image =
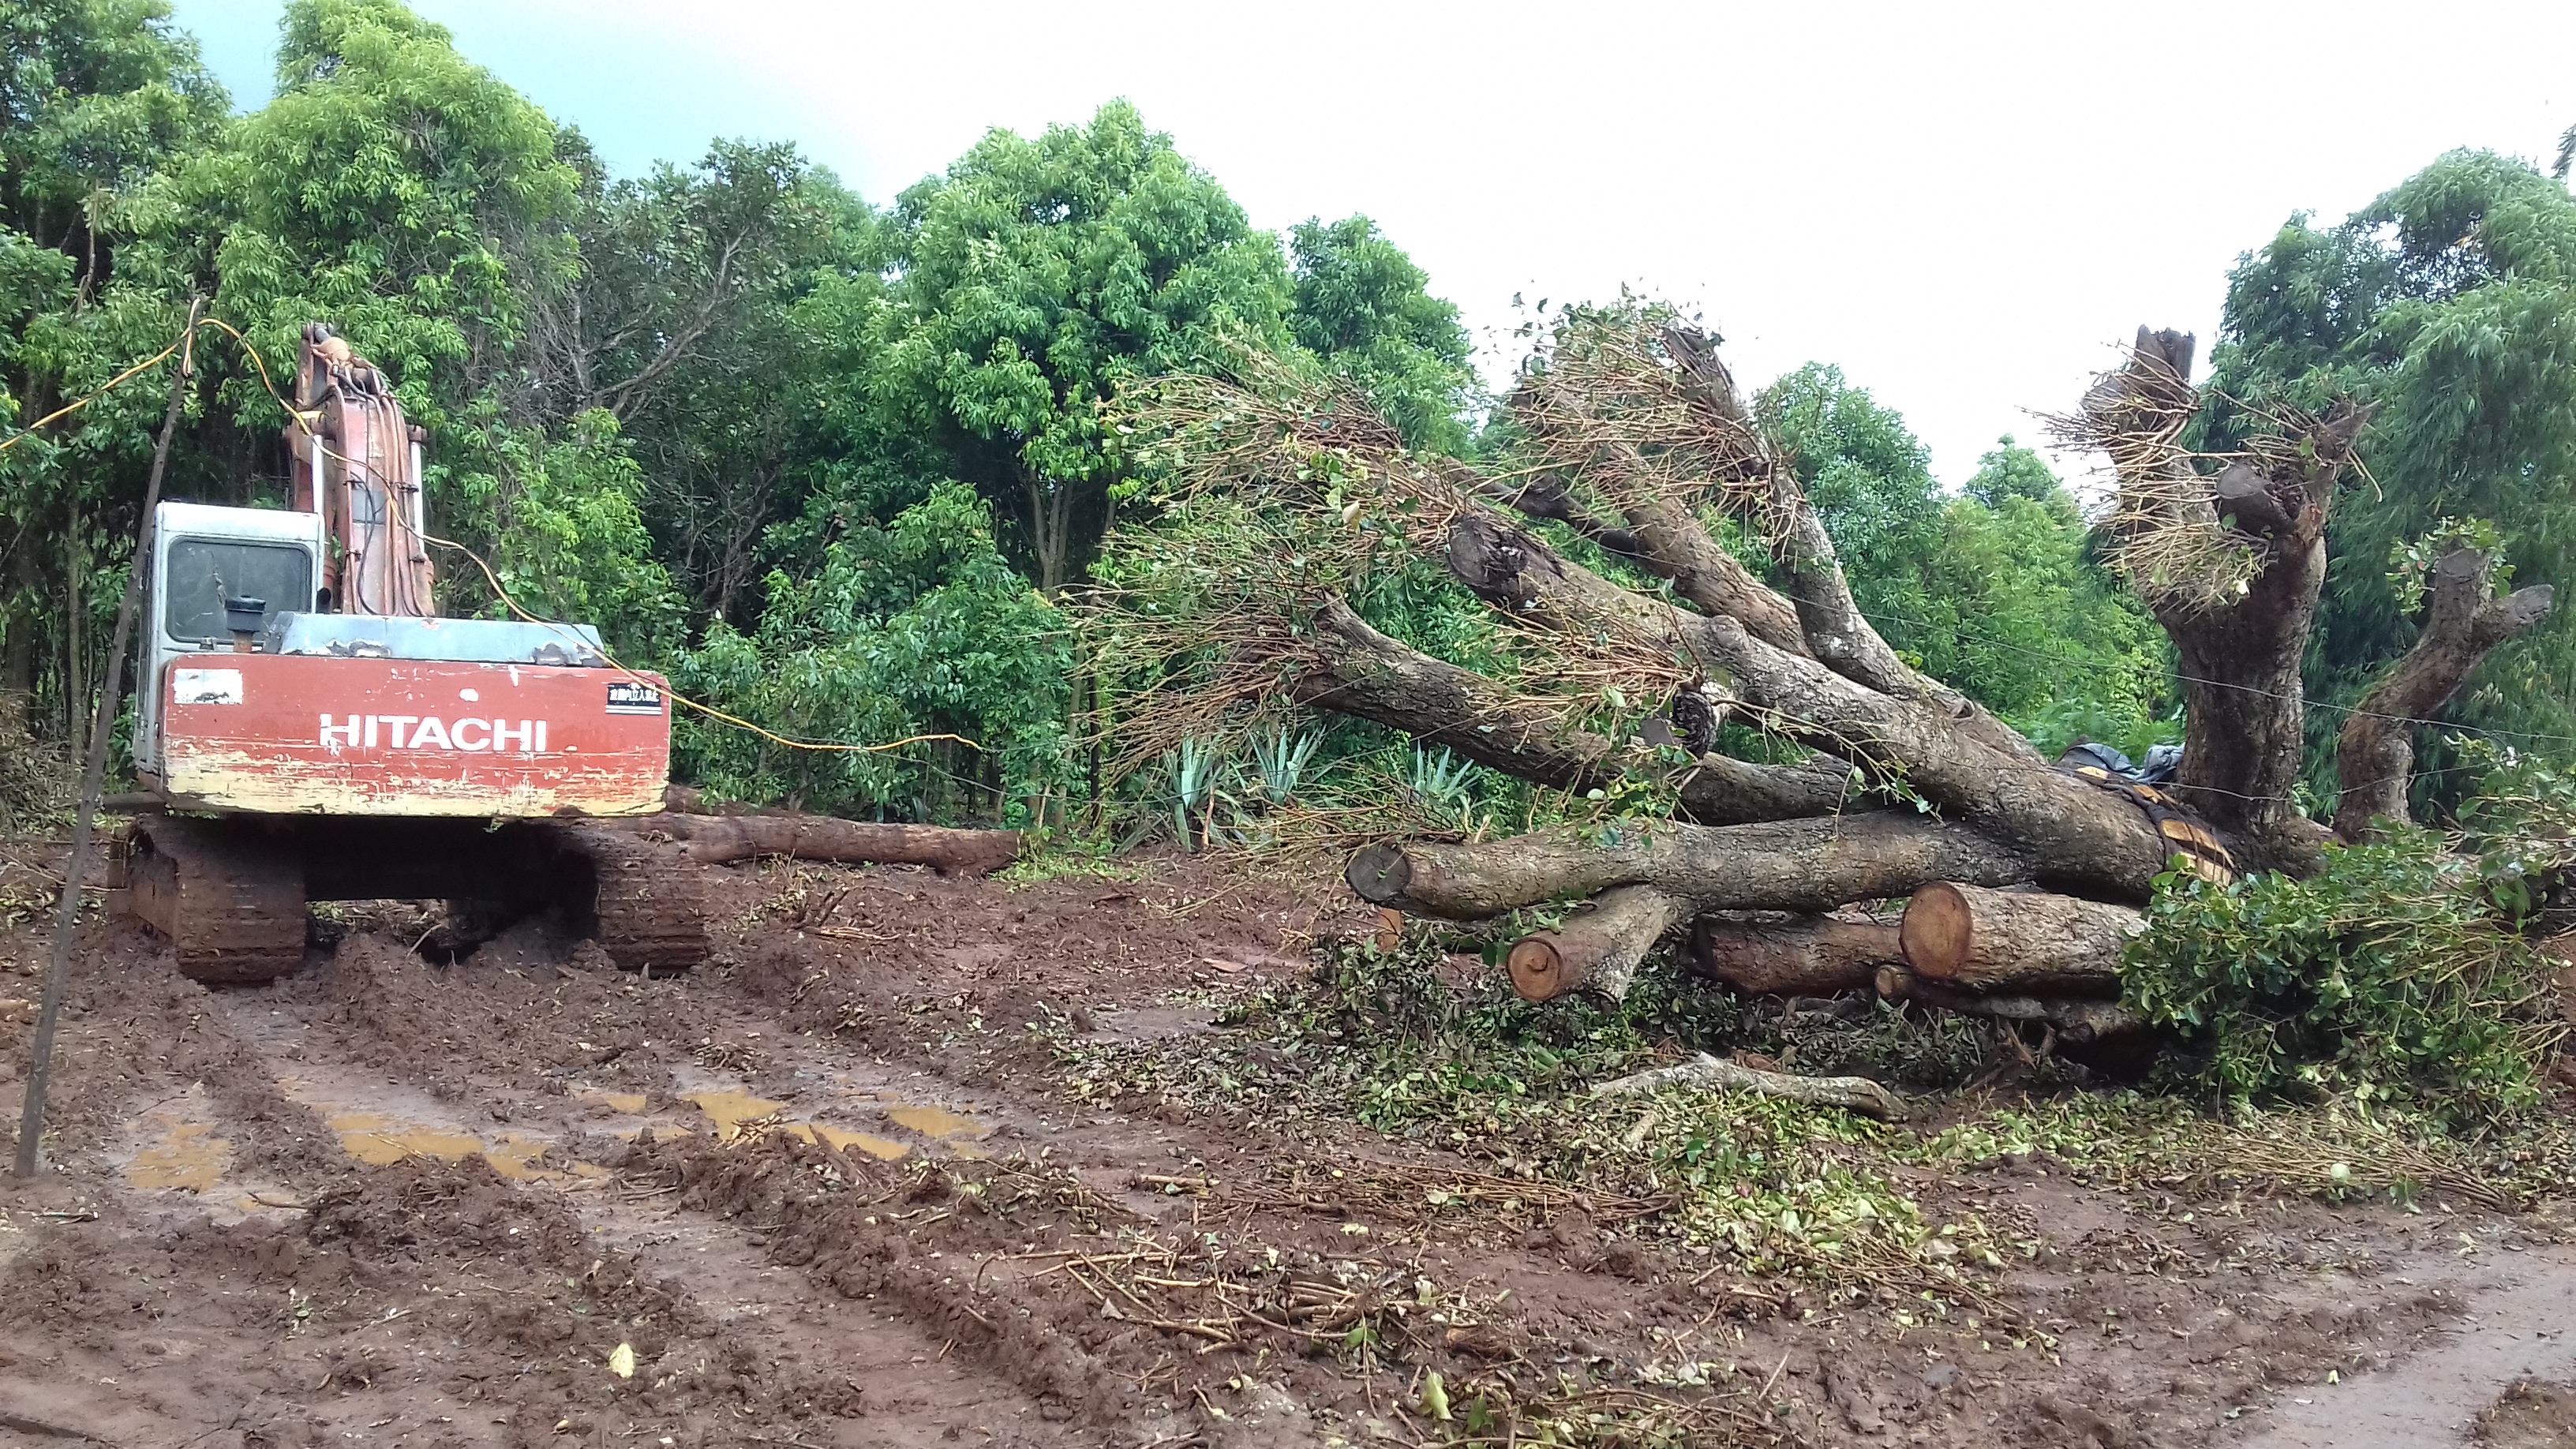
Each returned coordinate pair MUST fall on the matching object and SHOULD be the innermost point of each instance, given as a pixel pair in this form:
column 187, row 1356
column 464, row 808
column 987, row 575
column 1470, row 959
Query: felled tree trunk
column 1598, row 947
column 1780, row 865
column 1990, row 940
column 1802, row 956
column 721, row 839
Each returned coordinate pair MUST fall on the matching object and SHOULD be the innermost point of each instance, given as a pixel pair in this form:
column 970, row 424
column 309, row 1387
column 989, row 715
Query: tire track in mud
column 906, row 1385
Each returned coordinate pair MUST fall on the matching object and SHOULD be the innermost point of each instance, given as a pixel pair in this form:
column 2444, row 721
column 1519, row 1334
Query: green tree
column 1035, row 276
column 97, row 98
column 574, row 544
column 2450, row 303
column 2032, row 626
column 1363, row 305
column 915, row 628
column 1871, row 482
column 687, row 321
column 408, row 197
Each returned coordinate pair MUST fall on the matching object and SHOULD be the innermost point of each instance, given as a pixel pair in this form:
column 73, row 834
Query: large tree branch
column 1363, row 673
column 2464, row 622
column 2086, row 835
column 1784, row 865
column 1829, row 618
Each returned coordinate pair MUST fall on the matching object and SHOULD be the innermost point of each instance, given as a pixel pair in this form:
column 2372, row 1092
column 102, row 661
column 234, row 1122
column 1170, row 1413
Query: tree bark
column 1967, row 936
column 2079, row 1021
column 721, row 839
column 1790, row 865
column 2375, row 755
column 1807, row 956
column 1363, row 673
column 1596, row 949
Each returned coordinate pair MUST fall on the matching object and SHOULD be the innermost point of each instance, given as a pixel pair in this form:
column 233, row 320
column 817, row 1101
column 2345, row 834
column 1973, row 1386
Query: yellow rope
column 104, row 389
column 306, row 427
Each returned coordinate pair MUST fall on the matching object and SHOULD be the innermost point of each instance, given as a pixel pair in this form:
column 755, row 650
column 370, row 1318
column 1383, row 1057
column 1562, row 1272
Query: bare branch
column 2463, row 624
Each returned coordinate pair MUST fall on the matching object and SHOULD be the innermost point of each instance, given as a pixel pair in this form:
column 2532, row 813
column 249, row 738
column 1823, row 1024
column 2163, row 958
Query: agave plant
column 1192, row 773
column 1441, row 786
column 1279, row 763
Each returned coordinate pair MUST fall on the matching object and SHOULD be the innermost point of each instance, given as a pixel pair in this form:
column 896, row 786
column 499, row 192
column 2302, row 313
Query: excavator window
column 205, row 572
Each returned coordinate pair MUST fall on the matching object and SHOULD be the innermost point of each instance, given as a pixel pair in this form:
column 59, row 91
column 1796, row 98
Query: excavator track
column 229, row 899
column 230, row 892
column 645, row 898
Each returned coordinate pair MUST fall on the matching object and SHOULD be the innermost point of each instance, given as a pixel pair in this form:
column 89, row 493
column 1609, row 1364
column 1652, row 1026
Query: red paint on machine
column 323, row 735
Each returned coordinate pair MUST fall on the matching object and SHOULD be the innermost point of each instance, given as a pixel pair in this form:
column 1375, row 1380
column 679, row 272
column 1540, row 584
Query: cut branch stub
column 1967, row 936
column 1596, row 949
column 1807, row 956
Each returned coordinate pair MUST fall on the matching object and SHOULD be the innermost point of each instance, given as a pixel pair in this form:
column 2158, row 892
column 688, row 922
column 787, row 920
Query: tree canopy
column 2449, row 304
column 725, row 408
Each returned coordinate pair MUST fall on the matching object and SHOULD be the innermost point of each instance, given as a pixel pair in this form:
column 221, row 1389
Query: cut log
column 1597, row 948
column 1802, row 956
column 1967, row 936
column 719, row 839
column 1855, row 1094
column 2079, row 1021
column 1785, row 865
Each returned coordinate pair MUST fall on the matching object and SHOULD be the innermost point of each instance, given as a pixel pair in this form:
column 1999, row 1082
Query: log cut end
column 1379, row 873
column 1938, row 930
column 1538, row 969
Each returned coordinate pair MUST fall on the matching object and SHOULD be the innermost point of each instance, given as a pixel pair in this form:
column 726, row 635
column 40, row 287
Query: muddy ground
column 831, row 1190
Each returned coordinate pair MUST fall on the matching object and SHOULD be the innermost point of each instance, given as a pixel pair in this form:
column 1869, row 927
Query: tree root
column 1854, row 1094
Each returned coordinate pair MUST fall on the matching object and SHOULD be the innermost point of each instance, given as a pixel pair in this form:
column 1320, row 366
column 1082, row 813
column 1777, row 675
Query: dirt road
column 833, row 1190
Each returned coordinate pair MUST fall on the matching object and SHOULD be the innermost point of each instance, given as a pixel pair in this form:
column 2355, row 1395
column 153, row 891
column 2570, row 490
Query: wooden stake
column 31, row 1117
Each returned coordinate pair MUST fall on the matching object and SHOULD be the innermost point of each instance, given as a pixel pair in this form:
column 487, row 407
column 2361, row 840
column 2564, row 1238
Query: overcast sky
column 1964, row 207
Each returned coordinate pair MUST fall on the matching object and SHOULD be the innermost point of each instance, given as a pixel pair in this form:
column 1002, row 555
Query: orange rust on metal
column 312, row 734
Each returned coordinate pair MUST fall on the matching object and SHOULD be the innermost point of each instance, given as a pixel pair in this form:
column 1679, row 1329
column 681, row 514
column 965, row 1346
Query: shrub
column 2387, row 974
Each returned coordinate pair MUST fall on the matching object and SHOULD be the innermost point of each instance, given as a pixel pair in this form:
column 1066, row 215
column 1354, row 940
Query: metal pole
column 111, row 689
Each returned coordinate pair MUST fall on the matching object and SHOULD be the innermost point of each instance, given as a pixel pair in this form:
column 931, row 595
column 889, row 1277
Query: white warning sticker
column 206, row 686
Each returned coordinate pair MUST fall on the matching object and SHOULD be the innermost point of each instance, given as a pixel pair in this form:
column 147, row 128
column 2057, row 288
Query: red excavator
column 308, row 728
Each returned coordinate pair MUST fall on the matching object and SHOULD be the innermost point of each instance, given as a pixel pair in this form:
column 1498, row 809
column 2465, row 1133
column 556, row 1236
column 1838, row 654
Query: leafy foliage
column 573, row 544
column 916, row 628
column 2387, row 974
column 1361, row 303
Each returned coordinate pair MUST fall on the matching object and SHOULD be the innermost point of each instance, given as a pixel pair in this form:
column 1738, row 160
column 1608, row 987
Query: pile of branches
column 1632, row 636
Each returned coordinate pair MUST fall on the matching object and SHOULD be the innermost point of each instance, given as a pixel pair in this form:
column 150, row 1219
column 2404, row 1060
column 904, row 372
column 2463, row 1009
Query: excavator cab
column 205, row 562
